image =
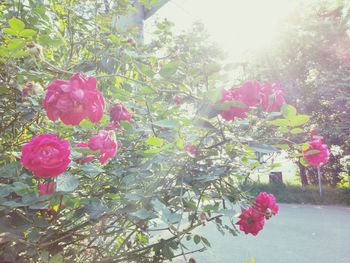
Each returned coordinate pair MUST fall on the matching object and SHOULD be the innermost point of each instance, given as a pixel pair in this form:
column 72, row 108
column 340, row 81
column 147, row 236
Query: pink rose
column 232, row 112
column 74, row 100
column 266, row 204
column 317, row 158
column 249, row 93
column 272, row 96
column 251, row 221
column 178, row 100
column 46, row 155
column 47, row 188
column 104, row 142
column 118, row 112
column 192, row 150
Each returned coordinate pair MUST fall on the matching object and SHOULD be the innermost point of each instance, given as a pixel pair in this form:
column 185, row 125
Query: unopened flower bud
column 35, row 49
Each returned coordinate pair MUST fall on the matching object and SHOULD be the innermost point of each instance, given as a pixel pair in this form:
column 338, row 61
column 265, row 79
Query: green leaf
column 228, row 104
column 299, row 120
column 280, row 122
column 169, row 69
column 312, row 152
column 142, row 214
column 15, row 44
column 66, row 183
column 283, row 146
column 205, row 241
column 304, row 146
column 288, row 111
column 167, row 124
column 283, row 129
column 303, row 162
column 297, row 130
column 16, row 24
column 91, row 170
column 196, row 239
column 155, row 141
column 27, row 33
column 58, row 258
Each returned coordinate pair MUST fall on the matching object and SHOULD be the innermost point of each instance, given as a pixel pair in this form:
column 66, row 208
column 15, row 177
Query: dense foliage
column 157, row 146
column 310, row 57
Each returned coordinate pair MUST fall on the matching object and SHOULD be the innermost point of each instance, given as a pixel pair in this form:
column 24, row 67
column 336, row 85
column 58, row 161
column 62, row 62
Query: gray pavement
column 298, row 234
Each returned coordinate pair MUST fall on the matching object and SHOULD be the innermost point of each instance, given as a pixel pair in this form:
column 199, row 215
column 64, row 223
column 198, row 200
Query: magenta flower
column 192, row 150
column 46, row 155
column 74, row 100
column 316, row 158
column 47, row 188
column 249, row 93
column 266, row 204
column 104, row 142
column 118, row 112
column 232, row 112
column 272, row 96
column 178, row 100
column 251, row 221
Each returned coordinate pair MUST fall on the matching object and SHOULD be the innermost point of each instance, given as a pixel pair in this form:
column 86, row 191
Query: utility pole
column 135, row 20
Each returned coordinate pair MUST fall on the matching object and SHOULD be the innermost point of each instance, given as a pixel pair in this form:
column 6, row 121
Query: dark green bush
column 302, row 195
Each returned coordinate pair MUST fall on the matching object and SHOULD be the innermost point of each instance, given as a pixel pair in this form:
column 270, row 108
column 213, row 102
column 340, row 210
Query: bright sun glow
column 238, row 26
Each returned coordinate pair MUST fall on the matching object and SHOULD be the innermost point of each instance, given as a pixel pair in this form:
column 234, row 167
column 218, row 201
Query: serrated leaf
column 169, row 69
column 303, row 162
column 283, row 146
column 299, row 120
column 296, row 130
column 205, row 241
column 196, row 239
column 15, row 44
column 155, row 141
column 27, row 33
column 91, row 170
column 142, row 214
column 167, row 124
column 280, row 122
column 16, row 24
column 283, row 129
column 66, row 183
column 288, row 111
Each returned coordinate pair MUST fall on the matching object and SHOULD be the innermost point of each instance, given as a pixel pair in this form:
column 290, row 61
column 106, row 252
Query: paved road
column 299, row 234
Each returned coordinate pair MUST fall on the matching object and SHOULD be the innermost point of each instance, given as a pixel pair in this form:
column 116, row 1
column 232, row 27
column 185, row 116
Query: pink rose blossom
column 74, row 100
column 272, row 96
column 232, row 112
column 178, row 100
column 192, row 150
column 104, row 142
column 319, row 158
column 47, row 188
column 251, row 221
column 249, row 93
column 118, row 112
column 266, row 204
column 46, row 155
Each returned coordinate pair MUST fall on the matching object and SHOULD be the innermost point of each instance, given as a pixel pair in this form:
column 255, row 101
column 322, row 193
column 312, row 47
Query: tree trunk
column 303, row 176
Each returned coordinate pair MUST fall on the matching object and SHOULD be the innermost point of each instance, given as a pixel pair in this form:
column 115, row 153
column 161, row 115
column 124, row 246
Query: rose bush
column 141, row 204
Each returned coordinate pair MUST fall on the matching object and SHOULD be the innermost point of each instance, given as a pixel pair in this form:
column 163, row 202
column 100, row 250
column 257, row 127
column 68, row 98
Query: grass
column 302, row 195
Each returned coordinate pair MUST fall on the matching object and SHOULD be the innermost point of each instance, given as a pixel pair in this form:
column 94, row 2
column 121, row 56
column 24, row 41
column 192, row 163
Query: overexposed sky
column 238, row 26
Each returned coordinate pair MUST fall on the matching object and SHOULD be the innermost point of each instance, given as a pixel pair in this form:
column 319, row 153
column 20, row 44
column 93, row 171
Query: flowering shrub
column 157, row 185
